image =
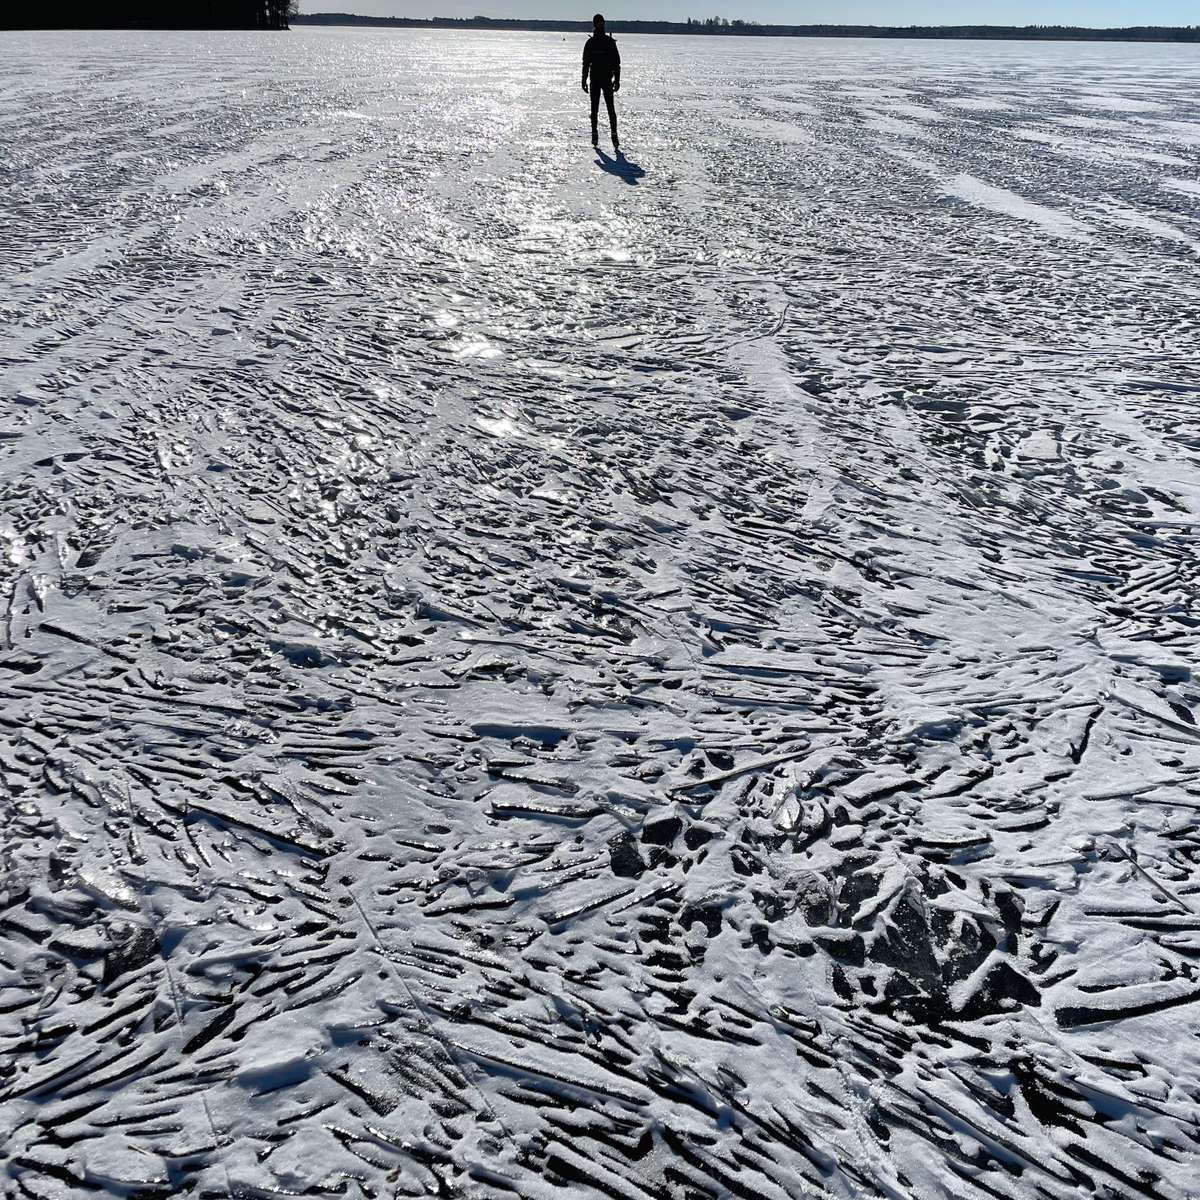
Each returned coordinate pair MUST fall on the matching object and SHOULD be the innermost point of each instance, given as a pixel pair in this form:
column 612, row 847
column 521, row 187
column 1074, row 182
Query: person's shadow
column 620, row 166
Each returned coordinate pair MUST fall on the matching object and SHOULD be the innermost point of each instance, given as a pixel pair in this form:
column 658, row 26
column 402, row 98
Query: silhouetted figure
column 603, row 60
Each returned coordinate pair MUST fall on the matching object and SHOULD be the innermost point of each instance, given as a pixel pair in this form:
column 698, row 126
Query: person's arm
column 617, row 68
column 587, row 61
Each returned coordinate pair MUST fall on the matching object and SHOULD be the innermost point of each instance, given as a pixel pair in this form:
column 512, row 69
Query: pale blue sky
column 853, row 12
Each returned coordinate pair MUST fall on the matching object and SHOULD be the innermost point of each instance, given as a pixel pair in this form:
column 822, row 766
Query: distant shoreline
column 1026, row 33
column 148, row 14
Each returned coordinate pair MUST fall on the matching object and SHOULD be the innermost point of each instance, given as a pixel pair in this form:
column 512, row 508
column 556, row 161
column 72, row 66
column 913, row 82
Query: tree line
column 148, row 14
column 722, row 23
column 721, row 26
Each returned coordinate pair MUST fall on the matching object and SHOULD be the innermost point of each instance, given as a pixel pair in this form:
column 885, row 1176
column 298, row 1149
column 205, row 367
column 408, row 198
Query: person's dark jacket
column 602, row 58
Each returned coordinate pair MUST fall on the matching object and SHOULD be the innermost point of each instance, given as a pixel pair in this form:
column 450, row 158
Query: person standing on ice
column 602, row 60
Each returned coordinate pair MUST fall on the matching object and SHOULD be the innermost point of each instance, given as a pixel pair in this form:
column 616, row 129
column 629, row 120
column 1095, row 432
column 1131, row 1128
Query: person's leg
column 612, row 110
column 595, row 106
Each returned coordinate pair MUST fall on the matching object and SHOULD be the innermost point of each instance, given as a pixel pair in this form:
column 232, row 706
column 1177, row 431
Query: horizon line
column 739, row 24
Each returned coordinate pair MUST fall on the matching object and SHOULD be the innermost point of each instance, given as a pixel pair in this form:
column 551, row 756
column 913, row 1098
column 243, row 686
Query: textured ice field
column 524, row 674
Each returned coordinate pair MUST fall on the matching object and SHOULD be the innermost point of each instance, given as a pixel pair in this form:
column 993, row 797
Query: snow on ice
column 528, row 673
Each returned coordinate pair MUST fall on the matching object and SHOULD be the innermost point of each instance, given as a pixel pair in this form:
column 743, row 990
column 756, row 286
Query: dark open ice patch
column 544, row 735
column 624, row 857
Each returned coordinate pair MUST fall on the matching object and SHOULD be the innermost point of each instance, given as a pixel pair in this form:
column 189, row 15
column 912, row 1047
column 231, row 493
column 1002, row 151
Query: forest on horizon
column 723, row 26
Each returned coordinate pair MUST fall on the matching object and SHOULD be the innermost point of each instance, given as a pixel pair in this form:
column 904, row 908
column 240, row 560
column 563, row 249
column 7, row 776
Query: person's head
column 598, row 23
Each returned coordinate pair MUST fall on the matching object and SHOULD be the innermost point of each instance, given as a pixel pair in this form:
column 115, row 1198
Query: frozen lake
column 654, row 677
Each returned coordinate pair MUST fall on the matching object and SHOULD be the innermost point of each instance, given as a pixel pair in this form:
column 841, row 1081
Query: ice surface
column 524, row 674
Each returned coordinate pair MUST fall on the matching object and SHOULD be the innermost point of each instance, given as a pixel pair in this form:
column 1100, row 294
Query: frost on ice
column 520, row 678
